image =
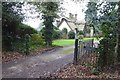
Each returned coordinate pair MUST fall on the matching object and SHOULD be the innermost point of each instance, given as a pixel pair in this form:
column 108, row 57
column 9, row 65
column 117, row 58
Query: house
column 71, row 23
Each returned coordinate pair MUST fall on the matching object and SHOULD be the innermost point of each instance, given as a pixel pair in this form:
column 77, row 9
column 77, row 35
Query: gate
column 85, row 47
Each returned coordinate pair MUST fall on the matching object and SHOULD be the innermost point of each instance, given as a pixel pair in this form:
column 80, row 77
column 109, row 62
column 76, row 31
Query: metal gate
column 85, row 47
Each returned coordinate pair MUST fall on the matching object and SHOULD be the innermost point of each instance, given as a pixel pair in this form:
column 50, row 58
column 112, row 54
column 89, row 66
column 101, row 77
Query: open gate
column 85, row 47
column 82, row 47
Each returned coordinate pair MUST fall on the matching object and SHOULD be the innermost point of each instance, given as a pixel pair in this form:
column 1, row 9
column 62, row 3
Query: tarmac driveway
column 39, row 65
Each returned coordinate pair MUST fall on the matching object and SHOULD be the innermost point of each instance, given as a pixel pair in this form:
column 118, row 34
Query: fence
column 85, row 47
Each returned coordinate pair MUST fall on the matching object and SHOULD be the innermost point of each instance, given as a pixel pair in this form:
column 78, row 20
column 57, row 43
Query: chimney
column 75, row 17
column 58, row 21
column 70, row 16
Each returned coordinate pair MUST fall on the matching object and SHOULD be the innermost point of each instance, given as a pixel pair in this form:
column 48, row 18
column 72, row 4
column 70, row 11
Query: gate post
column 76, row 47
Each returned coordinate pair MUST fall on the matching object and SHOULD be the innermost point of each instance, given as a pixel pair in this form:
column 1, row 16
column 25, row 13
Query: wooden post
column 76, row 47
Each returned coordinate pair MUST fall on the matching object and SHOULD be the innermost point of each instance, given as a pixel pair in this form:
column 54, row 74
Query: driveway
column 39, row 65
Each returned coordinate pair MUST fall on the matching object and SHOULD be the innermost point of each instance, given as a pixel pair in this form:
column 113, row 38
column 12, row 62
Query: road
column 39, row 65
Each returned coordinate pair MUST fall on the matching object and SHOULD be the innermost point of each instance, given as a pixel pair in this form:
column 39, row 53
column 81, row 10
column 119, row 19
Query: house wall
column 81, row 27
column 64, row 25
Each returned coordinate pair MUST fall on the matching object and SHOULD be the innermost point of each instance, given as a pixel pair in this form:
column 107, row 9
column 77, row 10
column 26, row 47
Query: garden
column 20, row 40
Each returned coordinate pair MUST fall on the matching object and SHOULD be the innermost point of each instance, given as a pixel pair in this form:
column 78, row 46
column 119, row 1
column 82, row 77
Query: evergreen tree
column 91, row 17
column 108, row 20
column 10, row 21
column 12, row 26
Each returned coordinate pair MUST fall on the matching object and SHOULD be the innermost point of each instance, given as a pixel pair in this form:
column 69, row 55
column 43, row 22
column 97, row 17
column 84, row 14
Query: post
column 76, row 46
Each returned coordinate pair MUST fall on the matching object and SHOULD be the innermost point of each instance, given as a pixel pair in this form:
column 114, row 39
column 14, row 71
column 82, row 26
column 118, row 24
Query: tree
column 118, row 35
column 91, row 16
column 71, row 34
column 49, row 13
column 108, row 23
column 57, row 34
column 10, row 21
column 108, row 19
column 12, row 26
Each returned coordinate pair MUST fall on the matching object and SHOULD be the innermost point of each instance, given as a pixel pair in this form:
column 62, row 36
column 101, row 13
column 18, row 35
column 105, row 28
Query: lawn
column 67, row 42
column 64, row 42
column 86, row 39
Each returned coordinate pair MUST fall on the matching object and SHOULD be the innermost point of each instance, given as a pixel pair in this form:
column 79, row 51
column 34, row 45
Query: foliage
column 108, row 25
column 28, row 43
column 71, row 34
column 64, row 30
column 64, row 33
column 106, row 52
column 57, row 34
column 49, row 13
column 81, row 33
column 118, row 34
column 10, row 22
column 91, row 17
column 25, row 29
column 107, row 21
column 36, row 40
column 13, row 30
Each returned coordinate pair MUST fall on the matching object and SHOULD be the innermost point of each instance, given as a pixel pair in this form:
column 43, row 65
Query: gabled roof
column 72, row 25
column 63, row 19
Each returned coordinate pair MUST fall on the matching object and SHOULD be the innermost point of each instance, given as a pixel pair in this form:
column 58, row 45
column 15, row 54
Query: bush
column 71, row 34
column 19, row 45
column 106, row 52
column 81, row 33
column 28, row 43
column 80, row 37
column 57, row 34
column 36, row 40
column 13, row 35
column 64, row 33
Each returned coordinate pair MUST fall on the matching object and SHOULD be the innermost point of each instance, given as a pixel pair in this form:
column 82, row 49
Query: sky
column 70, row 7
column 75, row 8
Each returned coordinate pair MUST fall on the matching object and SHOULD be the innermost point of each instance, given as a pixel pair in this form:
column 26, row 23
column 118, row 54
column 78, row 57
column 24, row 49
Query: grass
column 86, row 39
column 67, row 42
column 64, row 42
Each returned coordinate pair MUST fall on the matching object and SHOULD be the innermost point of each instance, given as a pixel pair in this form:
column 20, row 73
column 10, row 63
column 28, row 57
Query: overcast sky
column 70, row 7
column 75, row 8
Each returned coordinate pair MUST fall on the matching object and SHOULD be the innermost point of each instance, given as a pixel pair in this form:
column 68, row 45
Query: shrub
column 28, row 43
column 106, row 52
column 71, row 34
column 64, row 33
column 64, row 30
column 36, row 40
column 57, row 34
column 19, row 45
column 13, row 35
column 81, row 33
column 80, row 37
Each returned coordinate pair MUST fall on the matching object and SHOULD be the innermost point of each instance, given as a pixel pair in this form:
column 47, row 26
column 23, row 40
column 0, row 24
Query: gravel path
column 39, row 65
